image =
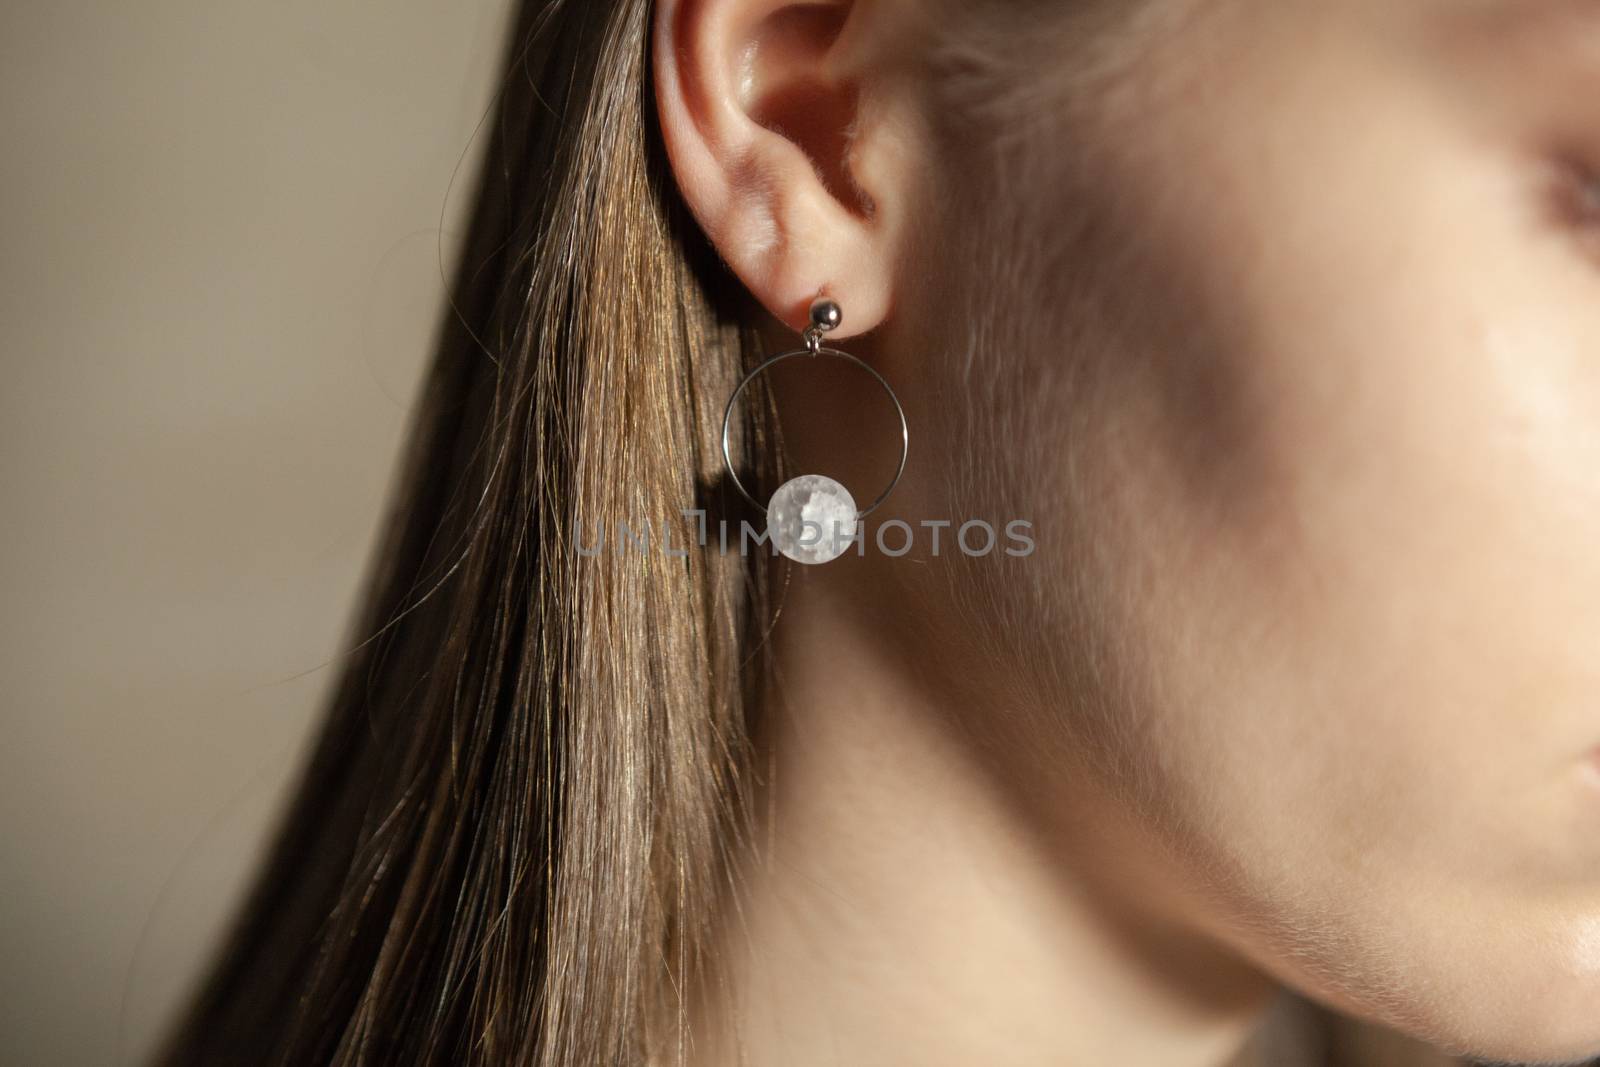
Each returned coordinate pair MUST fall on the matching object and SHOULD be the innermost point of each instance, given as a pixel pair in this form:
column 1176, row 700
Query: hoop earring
column 812, row 518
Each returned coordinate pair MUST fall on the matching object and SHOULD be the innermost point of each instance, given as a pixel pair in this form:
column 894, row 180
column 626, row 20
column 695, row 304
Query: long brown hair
column 518, row 819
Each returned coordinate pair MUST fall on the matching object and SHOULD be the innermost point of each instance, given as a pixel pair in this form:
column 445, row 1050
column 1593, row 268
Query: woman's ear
column 779, row 120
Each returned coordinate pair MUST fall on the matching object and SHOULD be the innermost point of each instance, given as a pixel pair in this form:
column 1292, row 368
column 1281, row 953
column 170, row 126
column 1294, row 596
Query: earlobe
column 769, row 123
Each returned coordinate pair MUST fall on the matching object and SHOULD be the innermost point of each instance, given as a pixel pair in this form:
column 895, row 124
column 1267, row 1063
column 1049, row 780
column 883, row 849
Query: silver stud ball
column 825, row 314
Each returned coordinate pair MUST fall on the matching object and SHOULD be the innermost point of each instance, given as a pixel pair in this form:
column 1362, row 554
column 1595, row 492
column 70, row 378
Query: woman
column 1263, row 332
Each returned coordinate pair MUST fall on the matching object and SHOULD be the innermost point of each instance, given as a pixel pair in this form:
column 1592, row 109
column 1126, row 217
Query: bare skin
column 1289, row 353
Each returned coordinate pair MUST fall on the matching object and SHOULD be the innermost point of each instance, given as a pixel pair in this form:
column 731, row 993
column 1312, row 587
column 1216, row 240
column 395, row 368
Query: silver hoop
column 813, row 339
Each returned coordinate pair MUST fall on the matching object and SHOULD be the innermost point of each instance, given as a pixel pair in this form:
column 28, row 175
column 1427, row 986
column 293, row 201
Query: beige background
column 220, row 247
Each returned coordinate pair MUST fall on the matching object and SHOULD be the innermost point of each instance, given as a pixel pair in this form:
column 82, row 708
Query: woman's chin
column 1537, row 1001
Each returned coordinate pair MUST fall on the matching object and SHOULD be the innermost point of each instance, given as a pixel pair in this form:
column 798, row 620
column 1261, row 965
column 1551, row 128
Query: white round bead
column 812, row 519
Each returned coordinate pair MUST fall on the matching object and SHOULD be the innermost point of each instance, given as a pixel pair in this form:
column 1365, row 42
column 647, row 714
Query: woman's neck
column 905, row 910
